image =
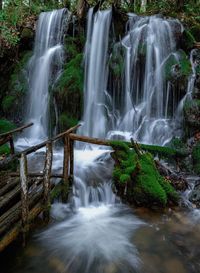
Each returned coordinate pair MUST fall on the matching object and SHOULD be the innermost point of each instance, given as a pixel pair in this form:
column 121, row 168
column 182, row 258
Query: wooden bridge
column 25, row 195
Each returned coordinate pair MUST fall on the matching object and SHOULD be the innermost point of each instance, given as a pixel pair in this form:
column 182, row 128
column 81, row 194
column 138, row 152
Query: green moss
column 196, row 157
column 72, row 76
column 124, row 178
column 4, row 150
column 66, row 121
column 8, row 103
column 6, row 126
column 181, row 66
column 147, row 186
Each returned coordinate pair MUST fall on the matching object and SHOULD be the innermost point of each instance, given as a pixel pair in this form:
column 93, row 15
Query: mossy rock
column 137, row 178
column 175, row 69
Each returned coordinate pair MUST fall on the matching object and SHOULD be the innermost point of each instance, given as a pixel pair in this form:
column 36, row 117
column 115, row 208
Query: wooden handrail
column 20, row 129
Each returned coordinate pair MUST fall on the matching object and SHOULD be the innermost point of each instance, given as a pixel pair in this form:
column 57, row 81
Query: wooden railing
column 8, row 136
column 18, row 204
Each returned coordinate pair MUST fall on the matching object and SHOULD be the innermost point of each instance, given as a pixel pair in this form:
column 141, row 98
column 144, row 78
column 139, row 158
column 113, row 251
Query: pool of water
column 111, row 240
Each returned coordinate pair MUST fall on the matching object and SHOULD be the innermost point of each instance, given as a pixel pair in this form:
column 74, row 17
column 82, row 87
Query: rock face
column 194, row 196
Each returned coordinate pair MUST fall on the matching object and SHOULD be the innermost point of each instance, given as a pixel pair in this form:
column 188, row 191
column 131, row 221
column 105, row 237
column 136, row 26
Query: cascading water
column 96, row 73
column 96, row 230
column 44, row 68
column 148, row 43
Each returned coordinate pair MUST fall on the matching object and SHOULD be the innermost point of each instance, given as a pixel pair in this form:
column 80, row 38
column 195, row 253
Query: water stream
column 95, row 232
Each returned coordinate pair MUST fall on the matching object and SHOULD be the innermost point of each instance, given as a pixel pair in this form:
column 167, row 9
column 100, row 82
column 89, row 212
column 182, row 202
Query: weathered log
column 12, row 147
column 12, row 195
column 65, row 168
column 8, row 186
column 19, row 129
column 15, row 231
column 13, row 214
column 30, row 150
column 37, row 175
column 71, row 152
column 4, row 139
column 24, row 195
column 96, row 141
column 46, row 181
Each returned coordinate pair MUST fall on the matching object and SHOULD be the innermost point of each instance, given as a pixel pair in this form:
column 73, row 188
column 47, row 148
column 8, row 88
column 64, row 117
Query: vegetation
column 196, row 157
column 137, row 178
column 6, row 126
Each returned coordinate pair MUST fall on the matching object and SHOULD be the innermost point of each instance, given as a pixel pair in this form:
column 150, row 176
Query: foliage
column 4, row 149
column 196, row 157
column 6, row 126
column 138, row 171
column 176, row 68
column 66, row 121
column 72, row 76
column 17, row 87
column 15, row 15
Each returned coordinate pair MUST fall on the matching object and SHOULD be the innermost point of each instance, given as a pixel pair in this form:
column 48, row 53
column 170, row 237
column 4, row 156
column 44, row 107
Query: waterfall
column 95, row 231
column 96, row 73
column 44, row 68
column 148, row 42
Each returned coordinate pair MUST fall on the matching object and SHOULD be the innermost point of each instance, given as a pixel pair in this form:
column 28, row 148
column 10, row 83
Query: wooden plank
column 15, row 231
column 19, row 129
column 24, row 195
column 71, row 152
column 46, row 181
column 34, row 175
column 65, row 169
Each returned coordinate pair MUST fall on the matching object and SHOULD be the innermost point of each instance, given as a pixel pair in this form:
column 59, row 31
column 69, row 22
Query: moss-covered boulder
column 177, row 66
column 137, row 179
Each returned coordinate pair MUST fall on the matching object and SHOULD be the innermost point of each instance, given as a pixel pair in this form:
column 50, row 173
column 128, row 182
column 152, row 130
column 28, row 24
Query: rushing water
column 44, row 68
column 95, row 232
column 96, row 73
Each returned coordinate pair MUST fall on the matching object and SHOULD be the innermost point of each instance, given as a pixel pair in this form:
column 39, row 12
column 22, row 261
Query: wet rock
column 174, row 266
column 194, row 196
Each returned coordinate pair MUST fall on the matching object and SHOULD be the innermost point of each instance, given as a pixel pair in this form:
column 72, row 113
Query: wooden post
column 46, row 181
column 24, row 195
column 71, row 150
column 65, row 169
column 12, row 148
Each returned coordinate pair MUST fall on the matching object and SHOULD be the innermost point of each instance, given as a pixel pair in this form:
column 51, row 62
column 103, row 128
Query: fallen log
column 30, row 150
column 19, row 129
